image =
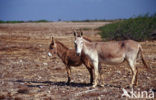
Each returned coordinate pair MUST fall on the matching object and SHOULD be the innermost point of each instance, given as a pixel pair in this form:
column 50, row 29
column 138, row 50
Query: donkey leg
column 100, row 73
column 136, row 78
column 96, row 73
column 90, row 69
column 91, row 75
column 68, row 73
column 134, row 72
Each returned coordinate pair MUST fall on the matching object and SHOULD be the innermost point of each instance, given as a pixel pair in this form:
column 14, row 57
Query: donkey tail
column 142, row 57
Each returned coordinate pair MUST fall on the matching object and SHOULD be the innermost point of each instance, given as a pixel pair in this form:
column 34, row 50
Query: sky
column 67, row 10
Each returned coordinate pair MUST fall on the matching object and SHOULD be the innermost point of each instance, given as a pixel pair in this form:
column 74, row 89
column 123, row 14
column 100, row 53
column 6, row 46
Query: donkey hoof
column 94, row 85
column 90, row 84
column 102, row 85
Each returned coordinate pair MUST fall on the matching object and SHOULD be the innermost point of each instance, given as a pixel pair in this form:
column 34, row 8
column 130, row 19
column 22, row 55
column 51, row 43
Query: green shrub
column 2, row 21
column 38, row 21
column 139, row 28
column 14, row 22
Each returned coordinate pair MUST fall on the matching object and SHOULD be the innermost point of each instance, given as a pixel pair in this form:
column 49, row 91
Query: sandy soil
column 26, row 71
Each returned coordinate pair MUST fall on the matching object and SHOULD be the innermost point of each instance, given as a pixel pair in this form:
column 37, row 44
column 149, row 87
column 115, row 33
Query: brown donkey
column 70, row 58
column 112, row 52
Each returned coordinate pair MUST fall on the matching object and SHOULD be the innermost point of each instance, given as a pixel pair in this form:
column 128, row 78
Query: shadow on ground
column 72, row 84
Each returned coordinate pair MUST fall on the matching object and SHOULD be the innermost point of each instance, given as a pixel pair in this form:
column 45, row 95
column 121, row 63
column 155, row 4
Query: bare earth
column 26, row 71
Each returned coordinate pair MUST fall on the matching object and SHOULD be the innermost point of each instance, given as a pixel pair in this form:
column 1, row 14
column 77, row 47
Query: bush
column 139, row 29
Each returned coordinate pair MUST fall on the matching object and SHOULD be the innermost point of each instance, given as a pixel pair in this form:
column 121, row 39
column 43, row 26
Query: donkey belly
column 74, row 62
column 116, row 60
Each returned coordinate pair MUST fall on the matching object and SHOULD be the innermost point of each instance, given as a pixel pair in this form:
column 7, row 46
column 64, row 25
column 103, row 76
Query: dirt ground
column 28, row 73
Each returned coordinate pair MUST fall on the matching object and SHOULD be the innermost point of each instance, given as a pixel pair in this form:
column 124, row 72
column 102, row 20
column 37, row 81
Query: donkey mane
column 87, row 39
column 61, row 44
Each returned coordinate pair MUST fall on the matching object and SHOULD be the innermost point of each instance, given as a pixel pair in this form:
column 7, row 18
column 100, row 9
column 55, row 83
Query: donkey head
column 52, row 47
column 78, row 42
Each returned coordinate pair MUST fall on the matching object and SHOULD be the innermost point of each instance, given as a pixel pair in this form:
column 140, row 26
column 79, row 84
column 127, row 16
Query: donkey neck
column 89, row 48
column 61, row 50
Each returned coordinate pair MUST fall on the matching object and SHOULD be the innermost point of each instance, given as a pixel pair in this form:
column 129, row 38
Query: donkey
column 112, row 52
column 69, row 58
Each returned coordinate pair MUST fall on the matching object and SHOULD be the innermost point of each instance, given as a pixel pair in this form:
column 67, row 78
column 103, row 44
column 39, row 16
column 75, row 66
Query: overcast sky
column 53, row 10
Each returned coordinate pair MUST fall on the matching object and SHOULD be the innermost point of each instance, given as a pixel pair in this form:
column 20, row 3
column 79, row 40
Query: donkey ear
column 52, row 39
column 75, row 34
column 81, row 33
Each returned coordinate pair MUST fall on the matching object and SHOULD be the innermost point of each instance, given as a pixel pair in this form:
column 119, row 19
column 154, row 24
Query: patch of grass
column 37, row 21
column 95, row 20
column 11, row 21
column 2, row 21
column 139, row 29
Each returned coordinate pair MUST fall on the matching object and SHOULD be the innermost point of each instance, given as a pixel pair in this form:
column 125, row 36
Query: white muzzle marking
column 49, row 54
column 78, row 51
